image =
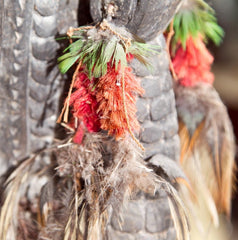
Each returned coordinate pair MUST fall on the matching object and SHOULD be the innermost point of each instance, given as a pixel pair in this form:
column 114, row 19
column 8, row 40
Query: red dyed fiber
column 109, row 96
column 193, row 64
column 83, row 102
column 98, row 103
column 79, row 133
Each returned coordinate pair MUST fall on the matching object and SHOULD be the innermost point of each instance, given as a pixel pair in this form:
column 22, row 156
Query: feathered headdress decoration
column 104, row 87
column 206, row 135
column 196, row 18
column 192, row 27
column 102, row 164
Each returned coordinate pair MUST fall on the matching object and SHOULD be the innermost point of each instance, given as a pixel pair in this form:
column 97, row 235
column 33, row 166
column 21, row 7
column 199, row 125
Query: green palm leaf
column 67, row 63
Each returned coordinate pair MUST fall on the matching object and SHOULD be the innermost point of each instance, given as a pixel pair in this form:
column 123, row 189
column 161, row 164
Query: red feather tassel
column 193, row 64
column 84, row 106
column 104, row 104
column 109, row 95
column 83, row 102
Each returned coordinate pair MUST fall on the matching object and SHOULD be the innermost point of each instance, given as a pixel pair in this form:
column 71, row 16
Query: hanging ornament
column 102, row 99
column 194, row 19
column 100, row 165
column 108, row 88
column 193, row 25
column 207, row 141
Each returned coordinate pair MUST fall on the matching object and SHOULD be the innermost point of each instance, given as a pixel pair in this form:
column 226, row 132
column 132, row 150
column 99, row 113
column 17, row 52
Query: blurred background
column 226, row 74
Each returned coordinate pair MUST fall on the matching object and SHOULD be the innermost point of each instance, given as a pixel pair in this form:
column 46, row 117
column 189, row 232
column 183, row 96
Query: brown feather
column 111, row 171
column 207, row 152
column 214, row 135
column 89, row 179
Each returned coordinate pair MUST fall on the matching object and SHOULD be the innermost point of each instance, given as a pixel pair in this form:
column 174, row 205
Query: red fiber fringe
column 110, row 101
column 83, row 102
column 193, row 64
column 99, row 104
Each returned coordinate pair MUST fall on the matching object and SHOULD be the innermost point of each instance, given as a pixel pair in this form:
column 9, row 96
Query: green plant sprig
column 95, row 54
column 197, row 19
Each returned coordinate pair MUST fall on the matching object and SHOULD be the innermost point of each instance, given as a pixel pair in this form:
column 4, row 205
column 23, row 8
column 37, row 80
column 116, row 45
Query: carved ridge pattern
column 45, row 80
column 161, row 117
column 30, row 82
column 16, row 82
column 42, row 110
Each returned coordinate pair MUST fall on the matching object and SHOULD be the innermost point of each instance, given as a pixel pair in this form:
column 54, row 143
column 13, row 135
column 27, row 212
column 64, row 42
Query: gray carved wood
column 30, row 84
column 143, row 18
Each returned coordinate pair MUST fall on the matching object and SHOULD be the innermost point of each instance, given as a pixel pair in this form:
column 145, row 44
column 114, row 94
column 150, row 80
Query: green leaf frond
column 199, row 18
column 97, row 53
column 142, row 52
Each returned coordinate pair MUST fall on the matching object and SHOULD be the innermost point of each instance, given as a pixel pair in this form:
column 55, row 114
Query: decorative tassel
column 106, row 88
column 111, row 103
column 207, row 141
column 111, row 171
column 93, row 170
column 83, row 102
column 193, row 64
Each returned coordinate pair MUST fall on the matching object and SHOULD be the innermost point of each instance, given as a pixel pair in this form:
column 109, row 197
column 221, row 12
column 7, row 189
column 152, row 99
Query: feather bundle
column 110, row 172
column 195, row 18
column 17, row 213
column 207, row 142
column 99, row 103
column 89, row 178
column 108, row 178
column 106, row 89
column 83, row 102
column 206, row 134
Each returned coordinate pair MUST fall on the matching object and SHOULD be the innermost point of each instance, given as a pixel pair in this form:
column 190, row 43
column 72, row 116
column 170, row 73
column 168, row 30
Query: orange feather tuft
column 109, row 96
